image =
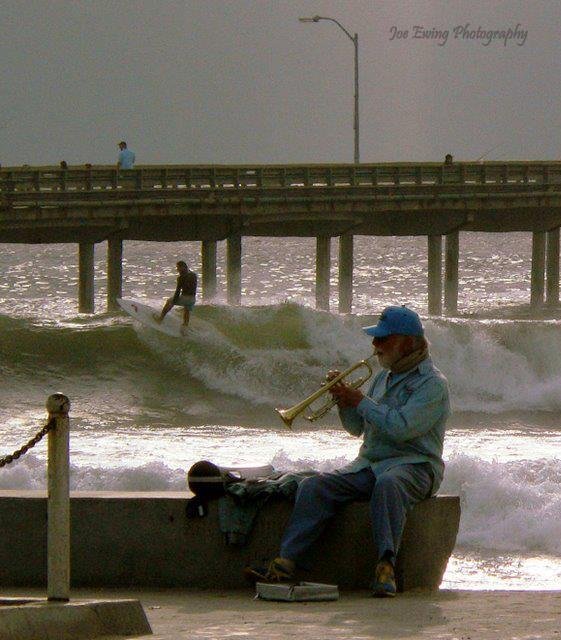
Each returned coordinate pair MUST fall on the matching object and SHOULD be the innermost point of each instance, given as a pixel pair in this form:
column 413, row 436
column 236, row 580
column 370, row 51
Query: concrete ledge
column 145, row 540
column 42, row 620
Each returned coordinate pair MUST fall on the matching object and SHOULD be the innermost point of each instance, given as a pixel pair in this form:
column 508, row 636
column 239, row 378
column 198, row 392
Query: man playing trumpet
column 401, row 420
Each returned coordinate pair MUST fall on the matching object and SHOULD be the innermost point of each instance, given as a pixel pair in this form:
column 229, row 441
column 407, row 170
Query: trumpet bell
column 288, row 415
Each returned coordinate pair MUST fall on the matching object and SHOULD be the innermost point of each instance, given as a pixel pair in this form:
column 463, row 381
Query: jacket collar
column 423, row 367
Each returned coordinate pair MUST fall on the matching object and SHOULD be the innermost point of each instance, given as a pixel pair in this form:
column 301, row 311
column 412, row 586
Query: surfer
column 184, row 295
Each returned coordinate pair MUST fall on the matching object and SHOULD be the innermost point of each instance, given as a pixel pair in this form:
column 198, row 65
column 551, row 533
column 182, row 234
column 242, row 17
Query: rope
column 28, row 445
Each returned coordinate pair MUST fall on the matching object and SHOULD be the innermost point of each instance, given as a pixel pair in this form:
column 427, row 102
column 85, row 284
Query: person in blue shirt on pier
column 401, row 420
column 126, row 157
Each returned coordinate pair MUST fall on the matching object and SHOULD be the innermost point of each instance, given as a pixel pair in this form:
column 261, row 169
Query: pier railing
column 95, row 178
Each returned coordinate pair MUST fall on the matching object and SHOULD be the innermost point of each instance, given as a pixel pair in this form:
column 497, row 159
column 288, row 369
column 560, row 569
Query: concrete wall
column 146, row 540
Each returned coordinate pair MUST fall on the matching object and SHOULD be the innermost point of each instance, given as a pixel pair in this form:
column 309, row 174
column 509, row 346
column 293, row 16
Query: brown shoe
column 279, row 570
column 384, row 581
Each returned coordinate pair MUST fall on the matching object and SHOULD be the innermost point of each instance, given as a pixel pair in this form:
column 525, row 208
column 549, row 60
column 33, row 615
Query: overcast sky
column 243, row 81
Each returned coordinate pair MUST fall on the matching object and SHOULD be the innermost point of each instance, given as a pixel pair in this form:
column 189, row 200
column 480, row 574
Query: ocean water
column 146, row 406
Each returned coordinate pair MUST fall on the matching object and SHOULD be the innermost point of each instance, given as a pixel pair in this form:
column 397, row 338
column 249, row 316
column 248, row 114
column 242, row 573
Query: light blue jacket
column 402, row 420
column 126, row 159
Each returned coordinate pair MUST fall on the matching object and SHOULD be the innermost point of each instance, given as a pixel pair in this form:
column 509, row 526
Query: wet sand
column 450, row 615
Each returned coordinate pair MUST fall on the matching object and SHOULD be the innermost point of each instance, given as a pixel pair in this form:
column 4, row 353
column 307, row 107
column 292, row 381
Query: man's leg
column 167, row 306
column 395, row 492
column 186, row 316
column 317, row 500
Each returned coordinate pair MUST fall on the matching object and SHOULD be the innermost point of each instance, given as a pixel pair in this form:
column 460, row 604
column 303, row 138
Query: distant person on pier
column 184, row 296
column 448, row 158
column 401, row 420
column 126, row 157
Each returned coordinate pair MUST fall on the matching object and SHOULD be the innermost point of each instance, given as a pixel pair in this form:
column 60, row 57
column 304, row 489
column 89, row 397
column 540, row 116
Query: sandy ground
column 450, row 615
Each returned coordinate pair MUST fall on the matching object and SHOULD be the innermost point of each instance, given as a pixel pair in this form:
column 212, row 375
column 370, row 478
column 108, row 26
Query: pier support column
column 208, row 260
column 234, row 268
column 346, row 273
column 323, row 271
column 114, row 272
column 451, row 259
column 435, row 275
column 86, row 277
column 538, row 269
column 552, row 281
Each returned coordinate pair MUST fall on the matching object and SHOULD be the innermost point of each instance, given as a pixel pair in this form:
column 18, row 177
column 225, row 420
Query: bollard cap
column 58, row 403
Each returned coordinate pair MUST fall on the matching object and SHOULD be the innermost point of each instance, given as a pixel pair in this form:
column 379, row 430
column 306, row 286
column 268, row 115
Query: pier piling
column 538, row 269
column 234, row 268
column 346, row 247
column 435, row 275
column 86, row 277
column 552, row 281
column 208, row 260
column 451, row 260
column 323, row 271
column 114, row 272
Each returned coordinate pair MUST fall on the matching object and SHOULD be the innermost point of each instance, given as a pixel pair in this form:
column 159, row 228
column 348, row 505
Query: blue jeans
column 391, row 495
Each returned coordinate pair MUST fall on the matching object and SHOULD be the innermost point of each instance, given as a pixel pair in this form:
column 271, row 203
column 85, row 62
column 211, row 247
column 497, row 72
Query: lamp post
column 354, row 40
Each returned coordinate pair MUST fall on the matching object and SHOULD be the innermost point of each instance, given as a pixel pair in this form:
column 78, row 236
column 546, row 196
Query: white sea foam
column 279, row 354
column 507, row 507
column 30, row 473
column 499, row 367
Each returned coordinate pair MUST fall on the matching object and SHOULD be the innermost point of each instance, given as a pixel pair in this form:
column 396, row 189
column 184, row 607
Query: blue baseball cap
column 396, row 320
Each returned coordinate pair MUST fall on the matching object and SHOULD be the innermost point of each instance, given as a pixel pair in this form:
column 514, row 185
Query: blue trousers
column 391, row 495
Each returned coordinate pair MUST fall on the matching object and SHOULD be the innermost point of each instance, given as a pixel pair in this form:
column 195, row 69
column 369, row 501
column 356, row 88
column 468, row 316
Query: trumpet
column 288, row 415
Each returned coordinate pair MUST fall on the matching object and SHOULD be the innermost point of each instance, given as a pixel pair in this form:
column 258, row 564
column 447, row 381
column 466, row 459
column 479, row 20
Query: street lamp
column 354, row 40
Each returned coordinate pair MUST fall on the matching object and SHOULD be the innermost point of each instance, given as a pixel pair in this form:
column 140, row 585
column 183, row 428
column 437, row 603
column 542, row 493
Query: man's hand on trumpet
column 344, row 394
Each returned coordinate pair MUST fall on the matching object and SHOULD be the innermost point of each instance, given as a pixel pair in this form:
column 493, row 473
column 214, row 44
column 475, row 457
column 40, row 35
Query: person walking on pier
column 184, row 296
column 126, row 157
column 401, row 420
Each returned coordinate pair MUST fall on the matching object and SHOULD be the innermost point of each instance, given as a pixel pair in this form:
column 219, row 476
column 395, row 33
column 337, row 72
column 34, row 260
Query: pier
column 87, row 205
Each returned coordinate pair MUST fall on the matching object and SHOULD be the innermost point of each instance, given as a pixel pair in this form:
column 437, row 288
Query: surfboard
column 171, row 324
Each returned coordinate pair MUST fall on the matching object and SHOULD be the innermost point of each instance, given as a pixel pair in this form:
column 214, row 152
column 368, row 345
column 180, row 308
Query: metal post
column 357, row 148
column 354, row 40
column 58, row 506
